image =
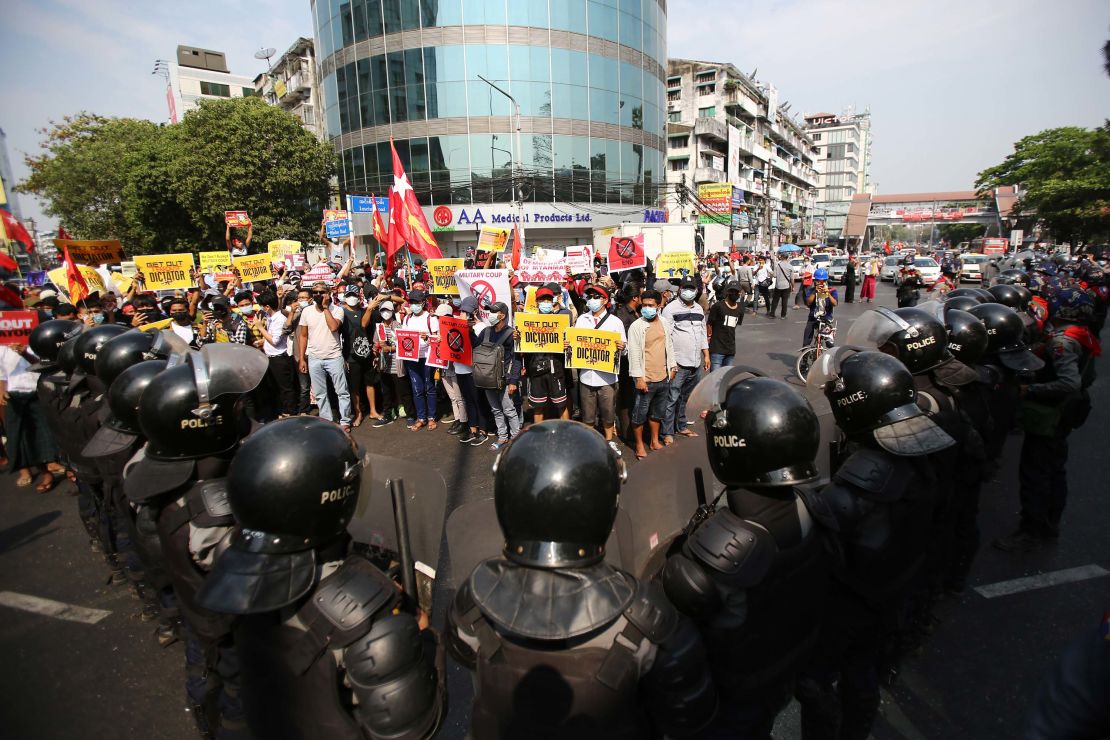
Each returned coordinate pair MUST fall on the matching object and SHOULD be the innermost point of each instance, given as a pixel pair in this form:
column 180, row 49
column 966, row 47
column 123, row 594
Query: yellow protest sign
column 254, row 267
column 530, row 299
column 541, row 332
column 673, row 264
column 591, row 349
column 156, row 325
column 123, row 283
column 493, row 239
column 213, row 262
column 279, row 249
column 92, row 251
column 92, row 279
column 166, row 271
column 443, row 275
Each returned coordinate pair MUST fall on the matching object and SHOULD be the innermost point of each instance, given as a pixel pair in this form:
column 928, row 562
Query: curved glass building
column 589, row 76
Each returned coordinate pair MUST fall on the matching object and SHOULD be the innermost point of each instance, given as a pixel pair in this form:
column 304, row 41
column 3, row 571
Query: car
column 971, row 267
column 837, row 268
column 890, row 268
column 821, row 259
column 928, row 268
column 796, row 267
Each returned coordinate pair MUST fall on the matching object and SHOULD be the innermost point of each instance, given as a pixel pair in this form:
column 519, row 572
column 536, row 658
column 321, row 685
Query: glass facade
column 422, row 84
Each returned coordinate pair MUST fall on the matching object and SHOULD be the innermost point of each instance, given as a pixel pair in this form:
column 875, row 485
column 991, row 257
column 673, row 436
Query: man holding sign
column 536, row 335
column 598, row 388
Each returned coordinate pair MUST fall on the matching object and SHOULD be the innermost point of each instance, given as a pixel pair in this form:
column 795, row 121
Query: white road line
column 1044, row 580
column 51, row 608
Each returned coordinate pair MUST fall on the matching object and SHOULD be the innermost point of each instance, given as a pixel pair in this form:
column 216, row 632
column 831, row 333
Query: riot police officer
column 327, row 650
column 880, row 503
column 754, row 574
column 1052, row 406
column 562, row 643
column 192, row 417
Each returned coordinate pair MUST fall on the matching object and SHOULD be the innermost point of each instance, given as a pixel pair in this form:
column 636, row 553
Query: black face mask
column 181, row 317
column 319, row 299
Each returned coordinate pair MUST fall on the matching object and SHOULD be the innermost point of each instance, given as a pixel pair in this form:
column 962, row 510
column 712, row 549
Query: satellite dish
column 265, row 54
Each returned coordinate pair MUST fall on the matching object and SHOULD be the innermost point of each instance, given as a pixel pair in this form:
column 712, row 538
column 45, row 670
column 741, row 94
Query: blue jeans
column 422, row 380
column 718, row 361
column 681, row 388
column 319, row 371
column 505, row 416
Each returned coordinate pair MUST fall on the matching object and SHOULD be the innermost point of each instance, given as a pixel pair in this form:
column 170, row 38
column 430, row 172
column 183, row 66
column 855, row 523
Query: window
column 707, row 76
column 709, row 112
column 674, row 95
column 308, row 116
column 674, row 82
column 817, row 137
column 674, row 117
column 215, row 88
column 678, row 165
column 249, row 92
column 706, row 89
column 679, row 142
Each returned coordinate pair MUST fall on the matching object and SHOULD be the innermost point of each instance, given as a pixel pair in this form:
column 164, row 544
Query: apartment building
column 291, row 84
column 197, row 74
column 843, row 146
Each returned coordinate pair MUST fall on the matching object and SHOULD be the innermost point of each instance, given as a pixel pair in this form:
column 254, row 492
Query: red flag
column 380, row 232
column 62, row 233
column 78, row 288
column 7, row 263
column 517, row 247
column 16, row 232
column 395, row 236
column 411, row 218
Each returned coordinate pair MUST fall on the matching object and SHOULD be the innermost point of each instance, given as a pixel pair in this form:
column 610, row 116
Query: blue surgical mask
column 546, row 306
column 688, row 295
column 594, row 304
column 304, row 304
column 649, row 312
column 247, row 310
column 456, row 302
column 98, row 318
column 416, row 308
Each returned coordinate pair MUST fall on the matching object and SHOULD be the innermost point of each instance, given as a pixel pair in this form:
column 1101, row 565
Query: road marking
column 51, row 608
column 1044, row 580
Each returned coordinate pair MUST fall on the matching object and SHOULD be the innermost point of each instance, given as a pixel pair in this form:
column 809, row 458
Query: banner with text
column 552, row 270
column 92, row 279
column 486, row 286
column 443, row 275
column 236, row 219
column 215, row 263
column 454, row 340
column 92, row 252
column 591, row 349
column 408, row 345
column 435, row 356
column 279, row 249
column 336, row 223
column 627, row 253
column 16, row 326
column 254, row 267
column 580, row 259
column 492, row 239
column 674, row 264
column 320, row 273
column 166, row 271
column 541, row 332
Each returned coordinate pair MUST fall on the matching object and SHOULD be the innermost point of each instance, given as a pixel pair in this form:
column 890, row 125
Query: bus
column 989, row 245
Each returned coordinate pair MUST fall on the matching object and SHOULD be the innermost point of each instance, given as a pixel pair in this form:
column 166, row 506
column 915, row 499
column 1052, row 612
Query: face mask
column 456, row 302
column 98, row 318
column 688, row 295
column 48, row 312
column 386, row 315
column 181, row 317
column 546, row 306
column 247, row 310
column 416, row 308
column 496, row 318
column 351, row 300
column 649, row 312
column 594, row 304
column 304, row 304
column 318, row 298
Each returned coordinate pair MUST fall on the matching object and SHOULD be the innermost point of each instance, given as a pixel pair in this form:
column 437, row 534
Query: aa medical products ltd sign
column 533, row 215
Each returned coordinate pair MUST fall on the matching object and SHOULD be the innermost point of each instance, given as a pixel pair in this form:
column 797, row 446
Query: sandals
column 688, row 433
column 417, row 426
column 432, row 425
column 47, row 485
column 23, row 482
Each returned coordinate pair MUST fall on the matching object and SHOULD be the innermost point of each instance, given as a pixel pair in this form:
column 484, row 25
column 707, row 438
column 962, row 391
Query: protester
column 764, row 280
column 320, row 354
column 475, row 434
column 221, row 325
column 783, row 282
column 598, row 389
column 724, row 318
column 691, row 346
column 652, row 367
column 235, row 243
column 421, row 376
column 279, row 380
column 821, row 301
column 500, row 334
column 870, row 277
column 30, row 444
column 850, row 270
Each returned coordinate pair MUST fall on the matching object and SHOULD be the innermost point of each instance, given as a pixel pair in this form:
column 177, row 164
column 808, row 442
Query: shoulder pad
column 214, row 495
column 353, row 594
column 733, row 546
column 877, row 476
column 650, row 612
column 819, row 506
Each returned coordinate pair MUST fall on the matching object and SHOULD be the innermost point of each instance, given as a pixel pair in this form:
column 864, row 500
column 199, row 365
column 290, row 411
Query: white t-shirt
column 13, row 370
column 187, row 332
column 323, row 343
column 611, row 323
column 425, row 323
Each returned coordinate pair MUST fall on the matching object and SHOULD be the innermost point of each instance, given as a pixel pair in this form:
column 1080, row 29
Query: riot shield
column 426, row 503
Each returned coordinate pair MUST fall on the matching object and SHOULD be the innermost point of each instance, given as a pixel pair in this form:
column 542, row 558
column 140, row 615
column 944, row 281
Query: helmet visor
column 874, row 328
column 933, row 308
column 226, row 369
column 170, row 346
column 828, row 366
column 708, row 393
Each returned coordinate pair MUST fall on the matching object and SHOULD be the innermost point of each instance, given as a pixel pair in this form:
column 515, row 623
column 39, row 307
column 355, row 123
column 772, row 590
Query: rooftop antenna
column 162, row 69
column 266, row 53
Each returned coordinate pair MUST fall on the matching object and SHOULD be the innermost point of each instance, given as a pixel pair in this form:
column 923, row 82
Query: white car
column 971, row 266
column 796, row 267
column 890, row 268
column 837, row 268
column 928, row 268
column 821, row 259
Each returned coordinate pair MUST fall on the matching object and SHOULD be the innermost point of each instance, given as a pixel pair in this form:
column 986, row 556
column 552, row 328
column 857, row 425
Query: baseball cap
column 47, row 293
column 417, row 296
column 444, row 309
column 662, row 285
column 688, row 282
column 544, row 292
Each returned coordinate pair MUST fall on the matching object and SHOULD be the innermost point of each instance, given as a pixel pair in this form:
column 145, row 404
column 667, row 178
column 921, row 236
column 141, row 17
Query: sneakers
column 382, row 422
column 615, row 447
column 466, row 436
column 479, row 439
column 1019, row 541
column 499, row 444
column 456, row 428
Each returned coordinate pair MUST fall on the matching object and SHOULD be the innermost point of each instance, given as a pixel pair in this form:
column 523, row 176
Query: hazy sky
column 951, row 85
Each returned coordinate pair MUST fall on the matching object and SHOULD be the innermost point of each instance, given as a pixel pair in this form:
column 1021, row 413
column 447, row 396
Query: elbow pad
column 393, row 673
column 690, row 588
column 680, row 684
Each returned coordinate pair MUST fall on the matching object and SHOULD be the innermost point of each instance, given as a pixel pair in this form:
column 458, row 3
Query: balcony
column 709, row 174
column 711, row 127
column 761, row 152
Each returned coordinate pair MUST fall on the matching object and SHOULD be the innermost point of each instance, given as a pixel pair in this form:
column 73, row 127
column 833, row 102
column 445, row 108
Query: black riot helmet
column 67, row 356
column 121, row 352
column 292, row 488
column 912, row 335
column 556, row 489
column 194, row 409
column 759, row 431
column 960, row 303
column 90, row 343
column 985, row 295
column 967, row 337
column 1025, row 296
column 47, row 339
column 1013, row 277
column 1009, row 295
column 120, row 429
column 873, row 398
column 968, row 292
column 1006, row 337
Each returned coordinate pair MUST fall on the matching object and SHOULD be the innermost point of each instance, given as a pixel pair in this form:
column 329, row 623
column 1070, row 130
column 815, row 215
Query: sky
column 950, row 84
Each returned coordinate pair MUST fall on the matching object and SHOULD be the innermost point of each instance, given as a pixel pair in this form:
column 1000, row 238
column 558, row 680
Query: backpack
column 488, row 363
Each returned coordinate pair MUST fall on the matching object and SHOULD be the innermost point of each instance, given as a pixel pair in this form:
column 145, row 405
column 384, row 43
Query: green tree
column 1064, row 174
column 956, row 233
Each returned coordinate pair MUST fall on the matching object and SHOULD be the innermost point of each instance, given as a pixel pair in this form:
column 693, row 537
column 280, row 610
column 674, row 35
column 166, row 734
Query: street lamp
column 518, row 174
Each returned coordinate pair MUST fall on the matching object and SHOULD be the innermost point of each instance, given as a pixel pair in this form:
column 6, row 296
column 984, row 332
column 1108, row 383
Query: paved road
column 974, row 679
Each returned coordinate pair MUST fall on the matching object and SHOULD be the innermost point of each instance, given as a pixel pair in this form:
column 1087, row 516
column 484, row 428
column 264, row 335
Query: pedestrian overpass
column 988, row 208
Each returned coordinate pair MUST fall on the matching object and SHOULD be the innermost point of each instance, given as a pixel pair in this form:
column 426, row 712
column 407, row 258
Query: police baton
column 404, row 542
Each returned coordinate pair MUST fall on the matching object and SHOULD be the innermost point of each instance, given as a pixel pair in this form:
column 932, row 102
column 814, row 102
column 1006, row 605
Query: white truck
column 668, row 237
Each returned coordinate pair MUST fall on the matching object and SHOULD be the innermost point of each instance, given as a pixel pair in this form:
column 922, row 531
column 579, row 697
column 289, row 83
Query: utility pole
column 518, row 172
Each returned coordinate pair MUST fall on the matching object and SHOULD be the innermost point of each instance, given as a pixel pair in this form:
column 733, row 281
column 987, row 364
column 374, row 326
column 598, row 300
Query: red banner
column 454, row 340
column 16, row 326
column 626, row 253
column 408, row 345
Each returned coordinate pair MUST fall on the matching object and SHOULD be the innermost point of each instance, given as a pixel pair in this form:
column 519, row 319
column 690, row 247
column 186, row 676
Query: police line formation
column 235, row 536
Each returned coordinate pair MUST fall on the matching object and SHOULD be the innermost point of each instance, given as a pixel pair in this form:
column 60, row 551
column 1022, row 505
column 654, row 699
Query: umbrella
column 790, row 248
